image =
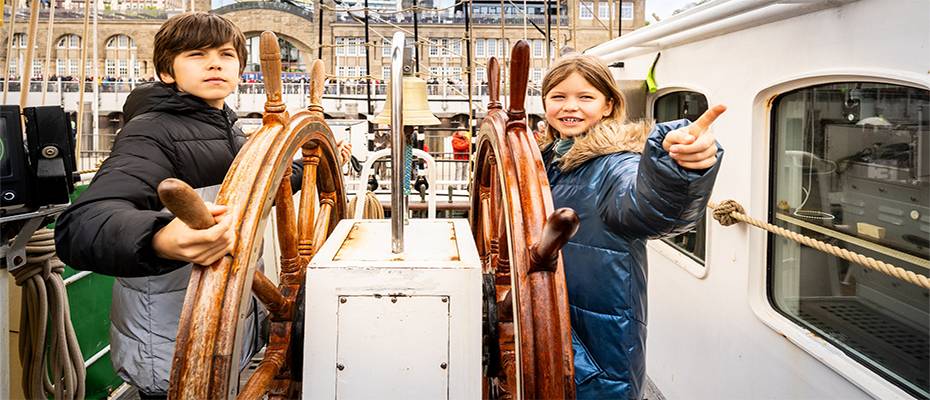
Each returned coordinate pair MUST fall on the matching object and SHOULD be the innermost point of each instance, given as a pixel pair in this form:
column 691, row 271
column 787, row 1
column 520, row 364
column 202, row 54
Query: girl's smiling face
column 574, row 106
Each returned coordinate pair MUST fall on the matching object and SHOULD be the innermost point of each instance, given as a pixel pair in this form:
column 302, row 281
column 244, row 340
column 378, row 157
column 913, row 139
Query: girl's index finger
column 703, row 123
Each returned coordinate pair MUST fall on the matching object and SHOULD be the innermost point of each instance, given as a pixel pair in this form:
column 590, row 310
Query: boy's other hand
column 694, row 146
column 345, row 151
column 177, row 241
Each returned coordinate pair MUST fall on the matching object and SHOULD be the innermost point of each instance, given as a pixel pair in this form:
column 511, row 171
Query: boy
column 179, row 127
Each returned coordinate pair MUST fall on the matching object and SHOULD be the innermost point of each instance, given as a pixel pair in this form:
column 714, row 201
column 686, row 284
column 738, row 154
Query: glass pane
column 671, row 107
column 851, row 167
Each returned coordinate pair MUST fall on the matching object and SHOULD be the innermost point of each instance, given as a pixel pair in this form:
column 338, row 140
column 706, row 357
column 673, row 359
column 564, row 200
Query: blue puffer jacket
column 623, row 198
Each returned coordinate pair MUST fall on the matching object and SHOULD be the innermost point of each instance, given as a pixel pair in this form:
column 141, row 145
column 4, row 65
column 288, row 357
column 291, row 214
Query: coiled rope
column 730, row 212
column 372, row 209
column 47, row 344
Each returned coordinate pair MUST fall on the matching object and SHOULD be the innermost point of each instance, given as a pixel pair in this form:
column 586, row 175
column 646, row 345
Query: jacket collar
column 606, row 137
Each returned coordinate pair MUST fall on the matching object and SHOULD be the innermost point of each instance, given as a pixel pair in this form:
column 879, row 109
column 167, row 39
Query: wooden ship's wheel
column 527, row 333
column 207, row 353
column 527, row 328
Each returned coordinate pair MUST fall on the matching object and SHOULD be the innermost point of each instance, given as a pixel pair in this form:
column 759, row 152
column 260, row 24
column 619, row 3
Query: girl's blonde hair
column 593, row 71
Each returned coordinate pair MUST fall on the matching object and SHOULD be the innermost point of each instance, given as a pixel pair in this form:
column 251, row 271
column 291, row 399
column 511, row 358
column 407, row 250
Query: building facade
column 126, row 29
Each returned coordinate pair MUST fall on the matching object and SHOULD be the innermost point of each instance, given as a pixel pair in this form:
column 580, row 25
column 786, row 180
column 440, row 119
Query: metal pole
column 471, row 67
column 397, row 142
column 548, row 33
column 320, row 35
column 371, row 110
column 416, row 39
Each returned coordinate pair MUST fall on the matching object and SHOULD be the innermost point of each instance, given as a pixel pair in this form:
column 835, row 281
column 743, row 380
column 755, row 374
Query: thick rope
column 372, row 209
column 730, row 212
column 408, row 161
column 47, row 343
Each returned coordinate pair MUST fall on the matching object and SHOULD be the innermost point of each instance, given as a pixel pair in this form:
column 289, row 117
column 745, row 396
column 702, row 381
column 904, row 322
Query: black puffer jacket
column 109, row 229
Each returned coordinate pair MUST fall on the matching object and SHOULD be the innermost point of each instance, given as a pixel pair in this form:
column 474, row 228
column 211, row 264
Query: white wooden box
column 394, row 326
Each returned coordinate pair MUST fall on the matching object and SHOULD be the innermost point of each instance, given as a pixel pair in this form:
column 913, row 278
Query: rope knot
column 723, row 212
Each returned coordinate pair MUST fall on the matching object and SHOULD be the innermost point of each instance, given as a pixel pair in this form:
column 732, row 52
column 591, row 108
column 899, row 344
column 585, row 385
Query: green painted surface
column 90, row 299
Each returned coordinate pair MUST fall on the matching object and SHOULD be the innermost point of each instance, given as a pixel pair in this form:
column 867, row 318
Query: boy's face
column 210, row 74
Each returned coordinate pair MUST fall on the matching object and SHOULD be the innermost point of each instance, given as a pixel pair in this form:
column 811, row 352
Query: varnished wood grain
column 206, row 356
column 514, row 186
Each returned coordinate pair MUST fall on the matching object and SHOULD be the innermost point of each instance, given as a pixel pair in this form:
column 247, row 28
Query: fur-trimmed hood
column 606, row 137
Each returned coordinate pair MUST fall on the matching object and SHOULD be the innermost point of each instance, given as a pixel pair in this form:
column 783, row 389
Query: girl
column 628, row 182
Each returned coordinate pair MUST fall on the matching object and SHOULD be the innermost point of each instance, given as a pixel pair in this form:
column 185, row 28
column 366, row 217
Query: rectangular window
column 671, row 107
column 851, row 166
column 492, row 48
column 585, row 10
column 340, row 46
column 434, row 47
column 36, row 68
column 480, row 46
column 603, row 10
column 386, row 48
column 537, row 75
column 61, row 67
column 626, row 11
column 480, row 75
column 75, row 67
column 385, row 73
column 124, row 68
column 539, row 48
column 111, row 68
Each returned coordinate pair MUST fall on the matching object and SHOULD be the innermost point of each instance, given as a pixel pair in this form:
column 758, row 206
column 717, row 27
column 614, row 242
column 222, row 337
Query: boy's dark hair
column 192, row 31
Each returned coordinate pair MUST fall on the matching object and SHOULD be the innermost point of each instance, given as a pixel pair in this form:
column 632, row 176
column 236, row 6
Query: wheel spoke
column 266, row 291
column 260, row 381
column 286, row 223
column 321, row 229
column 308, row 199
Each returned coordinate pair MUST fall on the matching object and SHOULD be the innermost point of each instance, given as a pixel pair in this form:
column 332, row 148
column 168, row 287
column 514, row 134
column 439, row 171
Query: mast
column 548, row 33
column 320, row 35
column 9, row 49
column 371, row 110
column 82, row 83
column 96, row 82
column 470, row 64
column 26, row 74
column 48, row 49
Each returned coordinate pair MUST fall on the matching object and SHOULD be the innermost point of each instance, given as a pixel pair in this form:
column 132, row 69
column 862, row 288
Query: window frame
column 604, row 9
column 627, row 5
column 761, row 137
column 586, row 10
column 770, row 239
column 671, row 252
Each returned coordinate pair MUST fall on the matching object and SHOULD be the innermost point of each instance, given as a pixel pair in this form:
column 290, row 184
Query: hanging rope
column 371, row 210
column 730, row 212
column 408, row 165
column 47, row 343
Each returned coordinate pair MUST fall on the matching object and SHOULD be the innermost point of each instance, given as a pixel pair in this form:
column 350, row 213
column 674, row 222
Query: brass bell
column 416, row 105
